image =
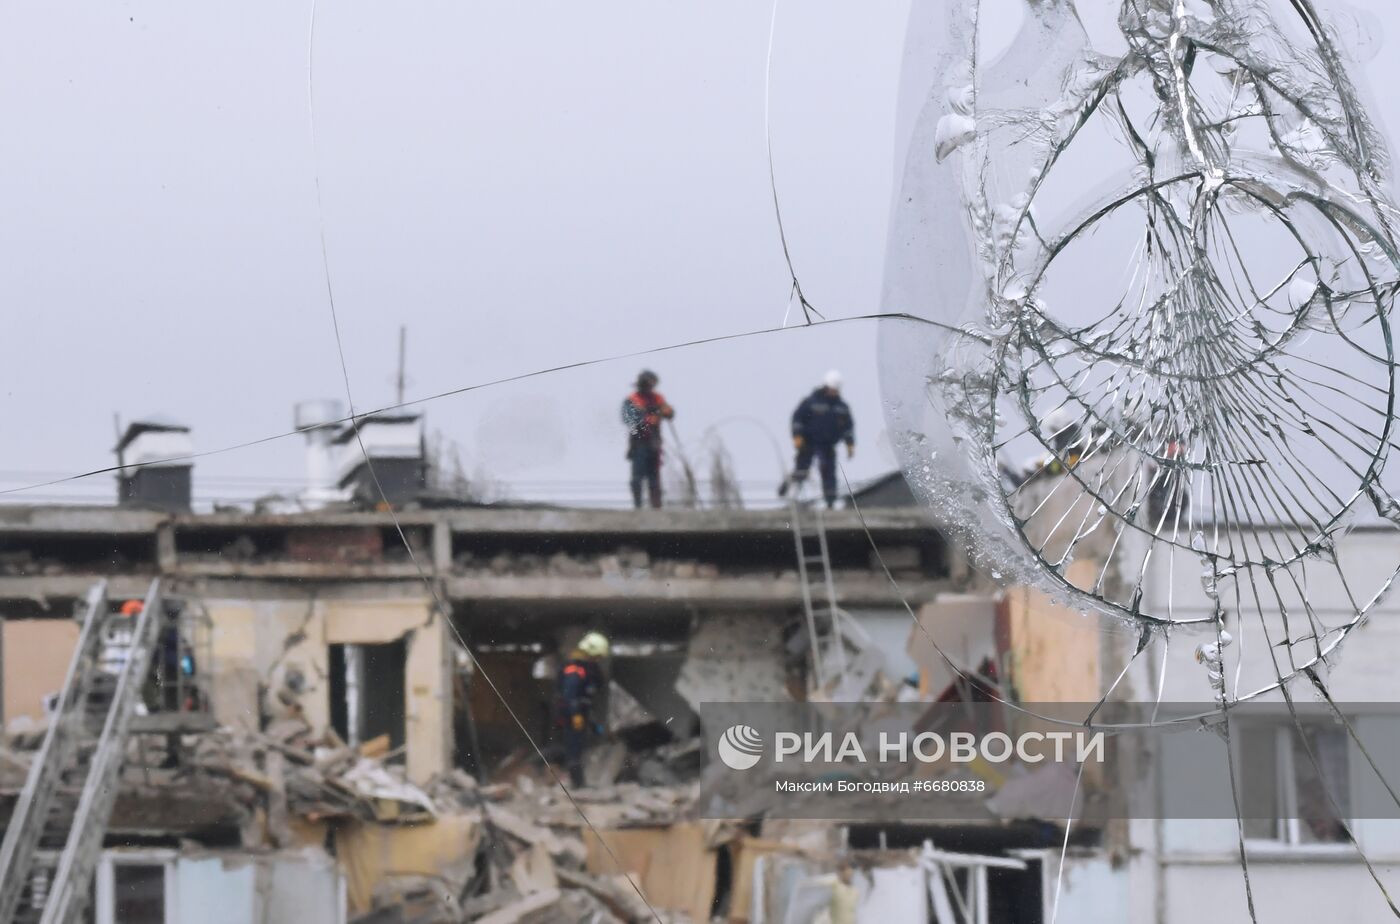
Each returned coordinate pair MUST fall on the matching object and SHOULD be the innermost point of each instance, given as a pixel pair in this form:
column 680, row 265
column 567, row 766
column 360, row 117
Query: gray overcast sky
column 522, row 184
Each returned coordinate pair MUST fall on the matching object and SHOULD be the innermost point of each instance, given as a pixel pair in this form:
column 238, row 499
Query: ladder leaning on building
column 817, row 584
column 54, row 839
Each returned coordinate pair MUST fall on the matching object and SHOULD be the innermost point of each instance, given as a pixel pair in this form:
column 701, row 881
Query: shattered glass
column 1154, row 247
column 1163, row 336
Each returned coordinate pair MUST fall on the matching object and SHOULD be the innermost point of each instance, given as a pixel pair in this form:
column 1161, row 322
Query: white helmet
column 594, row 644
column 832, row 380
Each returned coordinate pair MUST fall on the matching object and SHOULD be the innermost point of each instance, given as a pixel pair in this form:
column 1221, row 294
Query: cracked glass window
column 437, row 439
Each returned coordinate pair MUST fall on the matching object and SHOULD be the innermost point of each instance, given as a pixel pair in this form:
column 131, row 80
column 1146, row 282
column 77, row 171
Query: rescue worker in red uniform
column 576, row 689
column 642, row 413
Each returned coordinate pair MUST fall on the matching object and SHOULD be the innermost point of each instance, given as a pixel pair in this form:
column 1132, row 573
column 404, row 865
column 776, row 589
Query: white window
column 1283, row 797
column 136, row 887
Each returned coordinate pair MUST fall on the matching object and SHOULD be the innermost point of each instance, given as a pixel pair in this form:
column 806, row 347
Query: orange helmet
column 132, row 608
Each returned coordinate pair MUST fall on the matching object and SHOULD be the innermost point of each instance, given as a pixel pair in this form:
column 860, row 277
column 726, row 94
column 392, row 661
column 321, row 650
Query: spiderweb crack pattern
column 1173, row 276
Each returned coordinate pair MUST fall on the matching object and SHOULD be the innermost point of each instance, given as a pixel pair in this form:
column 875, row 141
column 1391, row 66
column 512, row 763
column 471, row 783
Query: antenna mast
column 403, row 338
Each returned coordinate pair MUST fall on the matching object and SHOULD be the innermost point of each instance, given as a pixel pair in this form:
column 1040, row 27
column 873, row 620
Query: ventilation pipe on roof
column 320, row 422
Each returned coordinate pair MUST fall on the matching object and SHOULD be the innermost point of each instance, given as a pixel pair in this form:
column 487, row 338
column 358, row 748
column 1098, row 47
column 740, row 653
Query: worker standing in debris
column 821, row 420
column 576, row 690
column 844, row 897
column 642, row 412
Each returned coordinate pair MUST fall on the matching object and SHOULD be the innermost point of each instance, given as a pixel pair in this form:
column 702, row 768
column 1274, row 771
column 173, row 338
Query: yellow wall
column 369, row 853
column 427, row 692
column 255, row 642
column 1054, row 649
column 37, row 652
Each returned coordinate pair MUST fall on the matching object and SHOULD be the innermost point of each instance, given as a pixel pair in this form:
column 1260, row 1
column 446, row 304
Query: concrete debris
column 452, row 850
column 517, row 852
column 533, row 871
column 625, row 562
column 525, row 910
column 390, row 794
column 320, row 780
column 614, row 893
column 671, row 763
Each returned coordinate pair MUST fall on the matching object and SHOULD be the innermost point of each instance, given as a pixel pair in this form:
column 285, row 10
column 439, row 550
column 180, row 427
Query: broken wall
column 1053, row 652
column 1050, row 653
column 36, row 653
column 734, row 657
column 964, row 627
column 283, row 646
column 651, row 680
column 673, row 866
column 371, row 853
column 888, row 629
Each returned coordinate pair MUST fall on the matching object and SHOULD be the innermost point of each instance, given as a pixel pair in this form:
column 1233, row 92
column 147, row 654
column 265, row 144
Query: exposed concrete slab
column 126, row 521
column 60, row 518
column 625, row 522
column 766, row 591
column 71, row 586
column 279, row 589
column 299, row 570
column 242, row 520
column 273, row 583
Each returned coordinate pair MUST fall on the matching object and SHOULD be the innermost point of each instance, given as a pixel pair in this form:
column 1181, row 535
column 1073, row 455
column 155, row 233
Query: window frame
column 1288, row 828
column 104, row 901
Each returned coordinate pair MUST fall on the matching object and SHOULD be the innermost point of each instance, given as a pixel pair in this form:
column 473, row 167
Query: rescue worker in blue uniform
column 821, row 421
column 576, row 691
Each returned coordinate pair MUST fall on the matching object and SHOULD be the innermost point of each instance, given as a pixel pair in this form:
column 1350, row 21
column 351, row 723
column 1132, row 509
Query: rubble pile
column 460, row 851
column 515, row 849
column 294, row 775
column 452, row 850
column 539, row 859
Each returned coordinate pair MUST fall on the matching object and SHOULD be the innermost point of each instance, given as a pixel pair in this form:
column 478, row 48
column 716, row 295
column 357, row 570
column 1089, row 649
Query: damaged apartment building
column 340, row 755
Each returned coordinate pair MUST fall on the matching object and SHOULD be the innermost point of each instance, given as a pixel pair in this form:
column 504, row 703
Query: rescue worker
column 642, row 413
column 821, row 421
column 577, row 686
column 836, row 892
column 175, row 668
column 841, row 909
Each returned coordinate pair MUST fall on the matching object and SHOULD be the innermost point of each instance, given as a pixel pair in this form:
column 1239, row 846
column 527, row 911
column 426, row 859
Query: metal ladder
column 817, row 584
column 54, row 839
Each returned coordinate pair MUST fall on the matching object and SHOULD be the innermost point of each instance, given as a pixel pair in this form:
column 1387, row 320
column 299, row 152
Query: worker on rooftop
column 576, row 690
column 821, row 420
column 642, row 413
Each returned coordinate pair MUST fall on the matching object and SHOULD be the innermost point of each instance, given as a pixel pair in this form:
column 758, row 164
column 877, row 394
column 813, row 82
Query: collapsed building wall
column 303, row 610
column 274, row 657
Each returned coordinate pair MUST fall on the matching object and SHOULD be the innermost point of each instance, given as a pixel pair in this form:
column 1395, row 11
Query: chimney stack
column 155, row 465
column 394, row 443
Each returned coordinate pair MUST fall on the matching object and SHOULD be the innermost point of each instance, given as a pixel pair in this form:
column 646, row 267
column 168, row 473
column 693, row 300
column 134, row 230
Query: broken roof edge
column 493, row 518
